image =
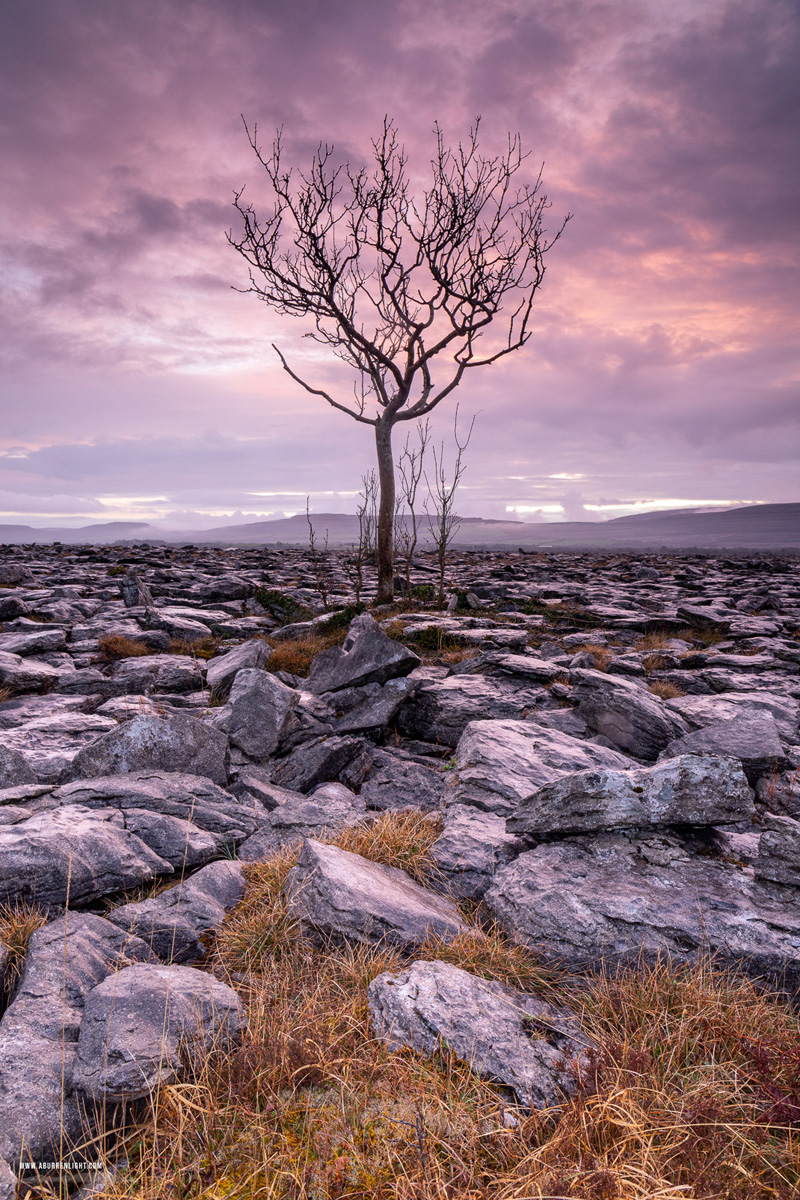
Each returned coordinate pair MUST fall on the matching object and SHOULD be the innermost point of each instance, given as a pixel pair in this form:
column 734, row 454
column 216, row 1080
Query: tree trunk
column 383, row 442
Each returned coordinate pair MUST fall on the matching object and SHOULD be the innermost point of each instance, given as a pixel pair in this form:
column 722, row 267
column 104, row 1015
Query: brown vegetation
column 296, row 654
column 201, row 648
column 601, row 654
column 667, row 691
column 694, row 1094
column 115, row 646
column 17, row 922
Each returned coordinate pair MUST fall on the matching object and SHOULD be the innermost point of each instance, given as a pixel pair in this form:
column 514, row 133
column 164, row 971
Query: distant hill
column 756, row 527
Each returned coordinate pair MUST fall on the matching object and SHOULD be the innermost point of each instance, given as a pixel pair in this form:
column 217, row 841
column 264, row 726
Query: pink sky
column 663, row 366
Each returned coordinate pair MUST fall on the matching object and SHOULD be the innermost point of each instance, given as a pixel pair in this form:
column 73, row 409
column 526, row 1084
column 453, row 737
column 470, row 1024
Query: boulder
column 699, row 711
column 377, row 710
column 471, row 848
column 188, row 797
column 43, row 642
column 175, row 743
column 222, row 670
column 157, row 673
column 18, row 674
column 752, row 739
column 500, row 763
column 14, row 768
column 395, row 782
column 73, row 853
column 611, row 898
column 65, row 961
column 140, row 1024
column 628, row 717
column 257, row 713
column 689, row 790
column 338, row 895
column 518, row 1041
column 779, row 851
column 367, row 656
column 50, row 743
column 316, row 762
column 441, row 711
column 331, row 806
column 173, row 923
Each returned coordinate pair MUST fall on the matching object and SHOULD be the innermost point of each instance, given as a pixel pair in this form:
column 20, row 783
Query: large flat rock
column 585, row 901
column 176, row 743
column 500, row 763
column 338, row 895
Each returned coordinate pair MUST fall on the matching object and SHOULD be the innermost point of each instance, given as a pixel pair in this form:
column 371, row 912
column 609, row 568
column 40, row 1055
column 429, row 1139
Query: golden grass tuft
column 115, row 646
column 601, row 654
column 667, row 691
column 201, row 648
column 17, row 922
column 297, row 654
column 5, row 694
column 653, row 641
column 694, row 1090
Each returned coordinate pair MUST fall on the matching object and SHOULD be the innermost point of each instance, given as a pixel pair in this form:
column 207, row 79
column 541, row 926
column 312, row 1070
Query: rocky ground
column 611, row 743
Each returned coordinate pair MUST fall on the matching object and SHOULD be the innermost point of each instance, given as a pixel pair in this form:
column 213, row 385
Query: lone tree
column 401, row 287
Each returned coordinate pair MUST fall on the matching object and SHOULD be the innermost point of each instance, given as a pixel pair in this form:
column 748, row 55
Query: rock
column 500, row 763
column 752, row 739
column 49, row 744
column 512, row 1039
column 222, row 670
column 702, row 617
column 175, row 743
column 342, row 895
column 180, row 843
column 24, row 675
column 699, row 711
column 780, row 793
column 608, row 899
column 14, row 768
column 372, row 717
column 689, row 790
column 330, row 807
column 173, row 923
column 259, row 846
column 33, row 643
column 38, row 1031
column 137, row 1021
column 441, row 711
column 257, row 713
column 395, row 782
column 367, row 656
column 630, row 718
column 73, row 852
column 779, row 851
column 188, row 797
column 157, row 673
column 316, row 763
column 471, row 848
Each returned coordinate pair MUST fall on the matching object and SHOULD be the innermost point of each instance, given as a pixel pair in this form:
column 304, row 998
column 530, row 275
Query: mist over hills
column 756, row 527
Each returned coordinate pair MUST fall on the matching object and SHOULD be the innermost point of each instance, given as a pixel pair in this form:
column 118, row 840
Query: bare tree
column 401, row 288
column 440, row 501
column 406, row 527
column 366, row 513
column 319, row 560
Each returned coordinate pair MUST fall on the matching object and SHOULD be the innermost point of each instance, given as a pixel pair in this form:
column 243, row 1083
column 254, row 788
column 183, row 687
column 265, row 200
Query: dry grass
column 653, row 641
column 296, row 654
column 695, row 1090
column 17, row 922
column 5, row 694
column 601, row 654
column 667, row 691
column 201, row 648
column 115, row 646
column 655, row 662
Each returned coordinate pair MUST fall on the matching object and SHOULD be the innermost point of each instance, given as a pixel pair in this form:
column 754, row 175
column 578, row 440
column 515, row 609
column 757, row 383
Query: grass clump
column 17, row 922
column 602, row 656
column 693, row 1091
column 205, row 648
column 282, row 607
column 5, row 694
column 114, row 646
column 297, row 654
column 664, row 689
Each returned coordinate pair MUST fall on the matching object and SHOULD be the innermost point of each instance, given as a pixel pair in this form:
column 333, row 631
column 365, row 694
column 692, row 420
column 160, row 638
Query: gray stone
column 38, row 1032
column 339, row 895
column 257, row 712
column 180, row 843
column 367, row 656
column 471, row 848
column 221, row 671
column 377, row 711
column 157, row 673
column 441, row 711
column 780, row 793
column 629, row 717
column 73, row 852
column 330, row 807
column 18, row 674
column 689, row 790
column 512, row 1039
column 611, row 898
column 33, row 643
column 500, row 763
column 699, row 711
column 22, row 709
column 14, row 768
column 316, row 763
column 396, row 783
column 188, row 797
column 752, row 739
column 700, row 616
column 176, row 743
column 259, row 846
column 174, row 922
column 140, row 1023
column 49, row 744
column 779, row 851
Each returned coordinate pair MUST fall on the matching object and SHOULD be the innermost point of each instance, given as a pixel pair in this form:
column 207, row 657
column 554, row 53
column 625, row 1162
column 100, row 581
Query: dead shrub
column 655, row 662
column 601, row 654
column 653, row 641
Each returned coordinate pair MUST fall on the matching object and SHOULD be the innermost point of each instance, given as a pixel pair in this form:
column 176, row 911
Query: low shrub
column 114, row 646
column 664, row 689
column 202, row 648
column 297, row 654
column 282, row 607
